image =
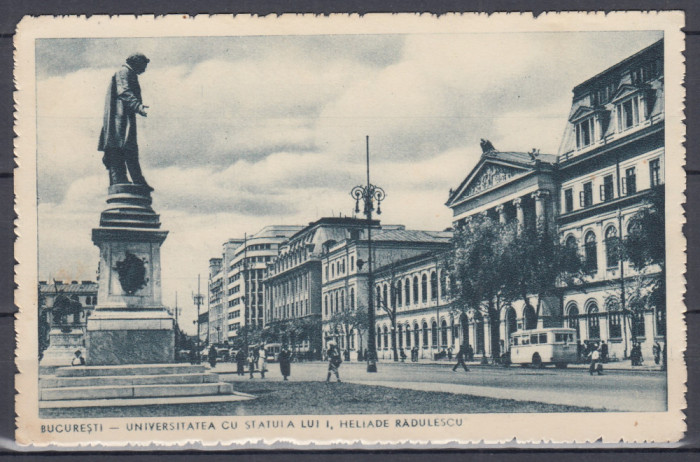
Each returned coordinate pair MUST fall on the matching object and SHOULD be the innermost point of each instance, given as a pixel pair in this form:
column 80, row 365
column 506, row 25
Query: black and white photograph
column 386, row 229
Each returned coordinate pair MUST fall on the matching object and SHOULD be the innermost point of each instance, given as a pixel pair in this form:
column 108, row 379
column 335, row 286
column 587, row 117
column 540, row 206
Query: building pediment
column 624, row 91
column 486, row 175
column 581, row 113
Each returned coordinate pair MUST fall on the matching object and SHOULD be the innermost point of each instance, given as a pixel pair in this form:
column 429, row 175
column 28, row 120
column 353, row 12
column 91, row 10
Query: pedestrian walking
column 263, row 361
column 285, row 358
column 596, row 365
column 449, row 354
column 334, row 361
column 251, row 362
column 212, row 356
column 240, row 362
column 403, row 355
column 460, row 360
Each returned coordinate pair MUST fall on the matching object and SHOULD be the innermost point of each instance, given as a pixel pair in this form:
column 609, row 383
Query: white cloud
column 247, row 132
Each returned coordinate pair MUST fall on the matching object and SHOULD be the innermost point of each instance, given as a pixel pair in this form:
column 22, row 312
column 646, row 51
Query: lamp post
column 198, row 300
column 368, row 194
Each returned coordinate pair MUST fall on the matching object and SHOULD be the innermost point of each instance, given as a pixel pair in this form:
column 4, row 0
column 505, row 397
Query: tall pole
column 368, row 194
column 198, row 299
column 177, row 326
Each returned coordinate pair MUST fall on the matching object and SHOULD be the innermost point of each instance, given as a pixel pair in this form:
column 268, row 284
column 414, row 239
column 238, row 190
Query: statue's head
column 138, row 62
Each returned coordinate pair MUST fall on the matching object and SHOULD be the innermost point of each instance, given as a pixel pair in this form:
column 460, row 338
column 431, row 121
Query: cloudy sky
column 243, row 132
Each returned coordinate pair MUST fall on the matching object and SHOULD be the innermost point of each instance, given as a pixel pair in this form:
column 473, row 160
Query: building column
column 501, row 209
column 540, row 209
column 487, row 336
column 519, row 212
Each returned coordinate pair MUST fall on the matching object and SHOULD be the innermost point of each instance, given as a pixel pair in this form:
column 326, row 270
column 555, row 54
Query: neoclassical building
column 611, row 159
column 345, row 278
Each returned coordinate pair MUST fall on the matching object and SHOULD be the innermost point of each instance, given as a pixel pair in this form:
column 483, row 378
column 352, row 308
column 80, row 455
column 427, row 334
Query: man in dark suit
column 118, row 136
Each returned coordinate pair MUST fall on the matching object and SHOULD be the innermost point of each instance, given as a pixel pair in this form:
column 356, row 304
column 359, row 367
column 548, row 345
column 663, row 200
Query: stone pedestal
column 129, row 325
column 62, row 347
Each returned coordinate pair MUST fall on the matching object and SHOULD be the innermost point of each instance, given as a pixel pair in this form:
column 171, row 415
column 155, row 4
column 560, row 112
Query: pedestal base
column 130, row 337
column 62, row 347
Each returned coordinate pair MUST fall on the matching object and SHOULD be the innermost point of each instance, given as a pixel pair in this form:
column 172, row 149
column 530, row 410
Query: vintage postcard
column 387, row 230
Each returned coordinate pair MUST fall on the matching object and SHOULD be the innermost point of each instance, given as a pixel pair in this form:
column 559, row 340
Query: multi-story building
column 345, row 279
column 235, row 281
column 294, row 281
column 611, row 158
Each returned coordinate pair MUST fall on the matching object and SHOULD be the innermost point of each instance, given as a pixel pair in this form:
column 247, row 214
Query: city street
column 615, row 391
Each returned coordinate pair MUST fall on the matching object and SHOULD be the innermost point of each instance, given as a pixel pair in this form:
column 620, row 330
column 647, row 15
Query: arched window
column 424, row 288
column 415, row 290
column 385, row 297
column 611, row 247
column 511, row 322
column 572, row 319
column 425, row 334
column 379, row 296
column 638, row 329
column 331, row 312
column 571, row 242
column 443, row 284
column 612, row 306
column 379, row 337
column 342, row 300
column 443, row 333
column 530, row 317
column 407, row 290
column 455, row 330
column 434, row 334
column 352, row 298
column 593, row 322
column 337, row 305
column 416, row 335
column 591, row 249
column 433, row 286
column 386, row 338
column 400, row 335
column 399, row 294
column 408, row 336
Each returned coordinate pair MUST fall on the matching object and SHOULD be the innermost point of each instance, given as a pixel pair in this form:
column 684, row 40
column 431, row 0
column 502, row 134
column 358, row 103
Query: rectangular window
column 607, row 189
column 654, row 172
column 627, row 114
column 629, row 182
column 352, row 263
column 586, row 196
column 584, row 133
column 615, row 325
column 568, row 200
column 543, row 338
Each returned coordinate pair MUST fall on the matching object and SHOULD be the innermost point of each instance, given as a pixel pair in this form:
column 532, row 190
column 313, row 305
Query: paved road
column 616, row 390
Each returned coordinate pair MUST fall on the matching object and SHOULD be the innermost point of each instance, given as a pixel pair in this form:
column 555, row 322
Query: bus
column 272, row 352
column 540, row 347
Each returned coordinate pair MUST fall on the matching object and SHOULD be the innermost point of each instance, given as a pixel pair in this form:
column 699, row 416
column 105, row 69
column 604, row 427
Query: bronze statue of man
column 118, row 137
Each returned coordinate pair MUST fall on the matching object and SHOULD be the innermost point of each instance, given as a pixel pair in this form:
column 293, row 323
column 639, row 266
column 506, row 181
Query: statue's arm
column 126, row 93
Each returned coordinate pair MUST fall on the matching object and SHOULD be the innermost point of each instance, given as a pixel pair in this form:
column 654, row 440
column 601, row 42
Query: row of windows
column 628, row 186
column 402, row 293
column 234, row 326
column 234, row 314
column 249, row 260
column 628, row 114
column 291, row 310
column 407, row 337
column 234, row 290
column 338, row 267
column 291, row 287
column 616, row 321
column 334, row 302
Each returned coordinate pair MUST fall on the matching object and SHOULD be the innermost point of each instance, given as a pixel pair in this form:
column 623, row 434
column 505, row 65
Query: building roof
column 74, row 287
column 411, row 235
column 400, row 265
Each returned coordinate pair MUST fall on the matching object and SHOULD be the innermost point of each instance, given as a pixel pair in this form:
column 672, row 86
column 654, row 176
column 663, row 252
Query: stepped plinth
column 129, row 325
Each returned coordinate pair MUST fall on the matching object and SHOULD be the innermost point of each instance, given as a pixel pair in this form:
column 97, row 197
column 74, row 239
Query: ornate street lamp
column 368, row 195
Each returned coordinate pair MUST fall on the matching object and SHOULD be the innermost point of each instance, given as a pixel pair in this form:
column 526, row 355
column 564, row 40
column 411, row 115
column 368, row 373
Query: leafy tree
column 478, row 268
column 389, row 306
column 645, row 248
column 537, row 263
column 350, row 320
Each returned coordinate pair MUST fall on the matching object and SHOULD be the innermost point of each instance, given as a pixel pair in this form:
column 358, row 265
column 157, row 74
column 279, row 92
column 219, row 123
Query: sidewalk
column 624, row 365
